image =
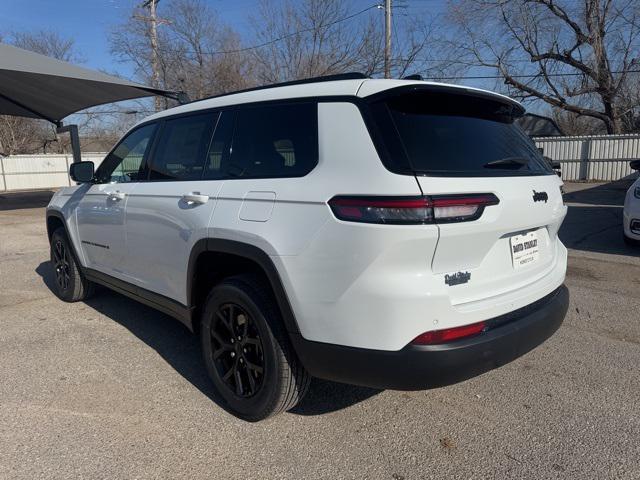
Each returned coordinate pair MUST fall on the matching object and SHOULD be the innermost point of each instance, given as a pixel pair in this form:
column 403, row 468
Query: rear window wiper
column 507, row 162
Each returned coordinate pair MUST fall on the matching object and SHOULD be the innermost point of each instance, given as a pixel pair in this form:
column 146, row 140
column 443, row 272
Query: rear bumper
column 420, row 367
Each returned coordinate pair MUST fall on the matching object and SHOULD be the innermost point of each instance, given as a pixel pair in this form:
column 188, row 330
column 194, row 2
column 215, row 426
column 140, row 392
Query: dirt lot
column 113, row 389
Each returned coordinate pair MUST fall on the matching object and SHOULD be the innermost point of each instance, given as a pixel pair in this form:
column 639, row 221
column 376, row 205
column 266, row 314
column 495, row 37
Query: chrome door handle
column 195, row 198
column 116, row 196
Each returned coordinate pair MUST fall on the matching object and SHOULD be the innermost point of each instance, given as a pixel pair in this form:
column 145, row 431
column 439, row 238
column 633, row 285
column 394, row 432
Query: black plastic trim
column 159, row 302
column 320, row 79
column 250, row 252
column 57, row 214
column 429, row 366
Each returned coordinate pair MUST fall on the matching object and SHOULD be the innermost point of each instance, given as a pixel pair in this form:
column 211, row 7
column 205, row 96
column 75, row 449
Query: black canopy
column 33, row 85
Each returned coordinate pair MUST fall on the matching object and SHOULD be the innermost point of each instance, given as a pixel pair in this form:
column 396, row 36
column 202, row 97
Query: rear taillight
column 449, row 334
column 412, row 210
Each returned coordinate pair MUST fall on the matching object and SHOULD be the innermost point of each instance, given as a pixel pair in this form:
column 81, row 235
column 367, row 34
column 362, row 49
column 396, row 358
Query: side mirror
column 81, row 172
column 634, row 164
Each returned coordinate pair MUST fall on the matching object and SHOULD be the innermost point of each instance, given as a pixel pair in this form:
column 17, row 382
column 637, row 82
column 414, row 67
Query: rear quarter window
column 274, row 141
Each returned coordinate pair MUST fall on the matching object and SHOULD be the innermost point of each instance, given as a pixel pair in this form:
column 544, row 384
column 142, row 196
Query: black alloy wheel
column 237, row 350
column 247, row 351
column 61, row 265
column 70, row 283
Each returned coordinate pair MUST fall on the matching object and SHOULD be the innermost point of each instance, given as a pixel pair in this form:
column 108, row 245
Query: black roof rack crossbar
column 325, row 78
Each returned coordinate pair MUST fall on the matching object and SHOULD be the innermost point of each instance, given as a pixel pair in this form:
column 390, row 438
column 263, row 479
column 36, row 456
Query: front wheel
column 247, row 352
column 70, row 285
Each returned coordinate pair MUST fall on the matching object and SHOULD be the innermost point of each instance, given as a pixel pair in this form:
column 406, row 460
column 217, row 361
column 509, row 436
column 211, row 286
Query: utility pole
column 153, row 37
column 387, row 40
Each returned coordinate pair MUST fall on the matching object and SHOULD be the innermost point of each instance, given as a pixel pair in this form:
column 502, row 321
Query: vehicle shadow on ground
column 611, row 193
column 22, row 200
column 181, row 349
column 594, row 219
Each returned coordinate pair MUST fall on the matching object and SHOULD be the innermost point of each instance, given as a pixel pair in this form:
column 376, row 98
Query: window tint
column 125, row 162
column 448, row 134
column 181, row 148
column 218, row 156
column 274, row 141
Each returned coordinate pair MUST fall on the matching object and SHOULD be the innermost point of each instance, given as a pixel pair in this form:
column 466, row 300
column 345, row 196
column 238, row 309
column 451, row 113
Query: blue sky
column 89, row 22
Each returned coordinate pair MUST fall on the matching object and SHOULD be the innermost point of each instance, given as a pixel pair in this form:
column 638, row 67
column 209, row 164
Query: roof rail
column 325, row 78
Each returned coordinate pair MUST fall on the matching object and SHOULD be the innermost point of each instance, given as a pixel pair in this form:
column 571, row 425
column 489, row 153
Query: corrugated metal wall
column 603, row 157
column 596, row 157
column 32, row 172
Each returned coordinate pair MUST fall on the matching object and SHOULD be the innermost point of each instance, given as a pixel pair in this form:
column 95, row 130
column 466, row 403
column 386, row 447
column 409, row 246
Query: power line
column 495, row 77
column 284, row 37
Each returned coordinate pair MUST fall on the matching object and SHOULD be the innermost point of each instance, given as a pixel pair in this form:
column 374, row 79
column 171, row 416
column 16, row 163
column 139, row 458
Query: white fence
column 32, row 172
column 604, row 157
column 595, row 157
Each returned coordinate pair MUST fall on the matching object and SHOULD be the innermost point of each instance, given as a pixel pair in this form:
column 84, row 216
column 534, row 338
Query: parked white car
column 631, row 213
column 389, row 233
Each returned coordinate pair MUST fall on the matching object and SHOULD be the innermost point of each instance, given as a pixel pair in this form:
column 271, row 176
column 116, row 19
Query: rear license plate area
column 525, row 249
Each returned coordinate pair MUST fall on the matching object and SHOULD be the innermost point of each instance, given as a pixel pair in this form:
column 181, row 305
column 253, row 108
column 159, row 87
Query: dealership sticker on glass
column 524, row 249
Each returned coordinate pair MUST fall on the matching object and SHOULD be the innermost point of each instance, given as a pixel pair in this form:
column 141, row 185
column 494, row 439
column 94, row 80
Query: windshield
column 452, row 134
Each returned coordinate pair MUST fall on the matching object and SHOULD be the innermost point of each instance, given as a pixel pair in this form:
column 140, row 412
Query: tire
column 247, row 352
column 632, row 242
column 70, row 284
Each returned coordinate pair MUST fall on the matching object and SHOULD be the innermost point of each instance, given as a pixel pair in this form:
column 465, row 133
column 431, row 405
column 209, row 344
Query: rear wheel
column 69, row 283
column 247, row 352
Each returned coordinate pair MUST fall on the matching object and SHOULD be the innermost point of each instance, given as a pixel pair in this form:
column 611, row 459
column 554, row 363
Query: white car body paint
column 354, row 284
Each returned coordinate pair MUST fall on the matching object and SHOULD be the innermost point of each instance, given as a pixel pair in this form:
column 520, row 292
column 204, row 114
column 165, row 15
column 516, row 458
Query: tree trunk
column 612, row 123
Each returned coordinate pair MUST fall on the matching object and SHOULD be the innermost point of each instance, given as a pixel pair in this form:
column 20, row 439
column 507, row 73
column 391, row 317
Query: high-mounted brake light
column 449, row 334
column 412, row 210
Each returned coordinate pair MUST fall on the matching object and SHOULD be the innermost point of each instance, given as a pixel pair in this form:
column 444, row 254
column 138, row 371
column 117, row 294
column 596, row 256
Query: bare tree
column 197, row 53
column 323, row 37
column 577, row 56
column 49, row 43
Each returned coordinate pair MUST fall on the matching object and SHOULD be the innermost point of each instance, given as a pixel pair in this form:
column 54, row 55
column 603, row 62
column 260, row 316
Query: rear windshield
column 450, row 134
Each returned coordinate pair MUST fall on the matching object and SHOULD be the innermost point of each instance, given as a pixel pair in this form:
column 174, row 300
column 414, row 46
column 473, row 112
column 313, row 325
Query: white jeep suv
column 389, row 233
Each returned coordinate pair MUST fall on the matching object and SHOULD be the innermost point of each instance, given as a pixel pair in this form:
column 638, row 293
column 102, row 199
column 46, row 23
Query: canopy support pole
column 75, row 139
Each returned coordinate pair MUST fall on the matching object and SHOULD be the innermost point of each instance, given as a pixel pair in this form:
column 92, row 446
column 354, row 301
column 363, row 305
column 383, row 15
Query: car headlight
column 636, row 192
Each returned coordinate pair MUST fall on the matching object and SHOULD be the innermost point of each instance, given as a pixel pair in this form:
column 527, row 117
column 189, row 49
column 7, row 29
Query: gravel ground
column 113, row 389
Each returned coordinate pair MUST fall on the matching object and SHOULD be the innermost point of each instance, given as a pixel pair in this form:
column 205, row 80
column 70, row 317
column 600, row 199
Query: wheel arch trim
column 249, row 252
column 60, row 216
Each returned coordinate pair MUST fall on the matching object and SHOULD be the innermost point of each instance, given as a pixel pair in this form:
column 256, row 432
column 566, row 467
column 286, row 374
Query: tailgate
column 511, row 245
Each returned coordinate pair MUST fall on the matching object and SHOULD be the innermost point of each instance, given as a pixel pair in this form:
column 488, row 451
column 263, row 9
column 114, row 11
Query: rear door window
column 460, row 135
column 274, row 141
column 182, row 147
